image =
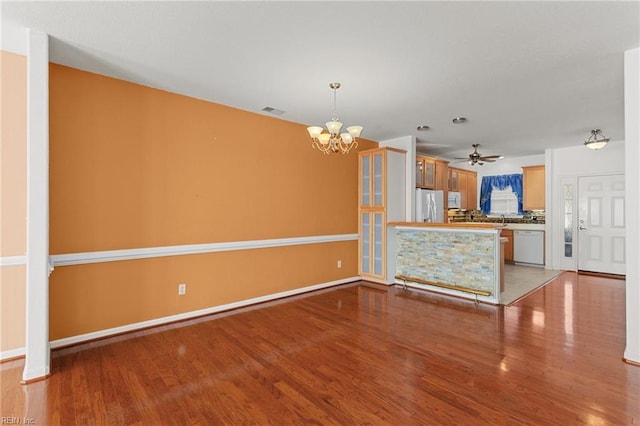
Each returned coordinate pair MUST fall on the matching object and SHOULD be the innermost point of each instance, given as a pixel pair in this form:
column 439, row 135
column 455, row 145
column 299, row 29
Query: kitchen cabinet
column 533, row 185
column 508, row 246
column 425, row 172
column 453, row 179
column 419, row 172
column 472, row 191
column 381, row 194
column 466, row 183
column 462, row 188
column 442, row 176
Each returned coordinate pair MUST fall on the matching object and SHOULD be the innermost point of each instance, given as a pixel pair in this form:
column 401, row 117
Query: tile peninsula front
column 461, row 260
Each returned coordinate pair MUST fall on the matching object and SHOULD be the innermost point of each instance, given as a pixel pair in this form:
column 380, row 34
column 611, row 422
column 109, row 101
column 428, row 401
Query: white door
column 601, row 224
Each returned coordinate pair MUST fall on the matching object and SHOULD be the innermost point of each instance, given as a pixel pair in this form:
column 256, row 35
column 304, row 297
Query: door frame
column 560, row 261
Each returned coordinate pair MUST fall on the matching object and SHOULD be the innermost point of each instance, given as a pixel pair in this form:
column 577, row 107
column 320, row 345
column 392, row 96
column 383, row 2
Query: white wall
column 407, row 143
column 582, row 161
column 13, row 39
column 566, row 165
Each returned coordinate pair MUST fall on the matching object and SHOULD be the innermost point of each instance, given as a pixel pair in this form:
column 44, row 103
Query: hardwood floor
column 356, row 354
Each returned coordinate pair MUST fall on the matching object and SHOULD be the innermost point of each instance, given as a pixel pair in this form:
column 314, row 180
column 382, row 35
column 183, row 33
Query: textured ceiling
column 527, row 75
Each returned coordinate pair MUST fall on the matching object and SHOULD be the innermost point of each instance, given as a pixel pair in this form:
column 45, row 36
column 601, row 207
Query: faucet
column 502, row 217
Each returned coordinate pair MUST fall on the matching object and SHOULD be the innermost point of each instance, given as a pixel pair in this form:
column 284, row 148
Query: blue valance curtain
column 500, row 182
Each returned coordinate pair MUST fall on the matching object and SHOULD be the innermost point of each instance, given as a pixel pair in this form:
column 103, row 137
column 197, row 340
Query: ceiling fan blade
column 487, row 160
column 461, row 158
column 491, row 156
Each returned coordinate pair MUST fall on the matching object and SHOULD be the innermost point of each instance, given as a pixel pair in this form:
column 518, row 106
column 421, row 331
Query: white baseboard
column 632, row 357
column 12, row 353
column 67, row 341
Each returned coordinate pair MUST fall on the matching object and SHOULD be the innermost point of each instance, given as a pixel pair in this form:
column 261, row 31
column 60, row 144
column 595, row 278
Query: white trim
column 37, row 359
column 193, row 314
column 12, row 353
column 632, row 200
column 143, row 253
column 13, row 260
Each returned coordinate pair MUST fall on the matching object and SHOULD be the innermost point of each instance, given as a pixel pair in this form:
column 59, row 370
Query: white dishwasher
column 528, row 247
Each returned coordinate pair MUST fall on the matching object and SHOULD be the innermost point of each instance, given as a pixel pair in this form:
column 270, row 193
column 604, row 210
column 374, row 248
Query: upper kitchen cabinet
column 533, row 188
column 466, row 183
column 453, row 179
column 425, row 172
column 382, row 199
column 442, row 176
column 472, row 191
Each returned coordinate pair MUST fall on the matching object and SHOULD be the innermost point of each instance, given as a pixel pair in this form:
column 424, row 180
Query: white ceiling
column 527, row 75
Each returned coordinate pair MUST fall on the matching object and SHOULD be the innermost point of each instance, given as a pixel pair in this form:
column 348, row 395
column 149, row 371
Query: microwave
column 454, row 200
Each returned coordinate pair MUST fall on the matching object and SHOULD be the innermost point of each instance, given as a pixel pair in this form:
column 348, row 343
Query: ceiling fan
column 476, row 158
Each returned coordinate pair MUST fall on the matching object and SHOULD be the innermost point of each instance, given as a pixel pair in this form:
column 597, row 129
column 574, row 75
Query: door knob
column 582, row 228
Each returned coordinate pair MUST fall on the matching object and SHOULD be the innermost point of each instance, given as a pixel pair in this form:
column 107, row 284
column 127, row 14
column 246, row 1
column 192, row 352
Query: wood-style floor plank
column 356, row 354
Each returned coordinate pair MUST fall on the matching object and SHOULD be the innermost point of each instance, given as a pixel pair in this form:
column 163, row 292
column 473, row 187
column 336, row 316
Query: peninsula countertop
column 478, row 225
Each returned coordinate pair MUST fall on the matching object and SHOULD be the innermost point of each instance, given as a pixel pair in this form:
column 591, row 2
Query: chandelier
column 593, row 142
column 333, row 141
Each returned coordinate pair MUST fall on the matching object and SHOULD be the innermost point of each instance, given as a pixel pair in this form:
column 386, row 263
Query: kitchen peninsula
column 464, row 260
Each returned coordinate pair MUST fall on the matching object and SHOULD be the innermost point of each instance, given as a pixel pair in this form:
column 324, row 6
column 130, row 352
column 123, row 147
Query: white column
column 37, row 361
column 407, row 143
column 632, row 184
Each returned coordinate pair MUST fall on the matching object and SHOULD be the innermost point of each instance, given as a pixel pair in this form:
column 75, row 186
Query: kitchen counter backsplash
column 478, row 216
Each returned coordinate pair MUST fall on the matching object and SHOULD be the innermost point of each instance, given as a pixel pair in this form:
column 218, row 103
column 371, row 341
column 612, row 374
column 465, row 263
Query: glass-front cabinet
column 378, row 192
column 425, row 172
column 365, row 243
column 382, row 176
column 372, row 232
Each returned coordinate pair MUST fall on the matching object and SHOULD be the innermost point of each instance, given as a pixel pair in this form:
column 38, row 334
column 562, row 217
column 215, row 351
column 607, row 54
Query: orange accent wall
column 93, row 297
column 13, row 201
column 134, row 167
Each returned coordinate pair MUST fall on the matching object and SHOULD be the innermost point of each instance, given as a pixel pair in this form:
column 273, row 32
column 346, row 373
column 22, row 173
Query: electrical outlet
column 182, row 289
column 339, row 263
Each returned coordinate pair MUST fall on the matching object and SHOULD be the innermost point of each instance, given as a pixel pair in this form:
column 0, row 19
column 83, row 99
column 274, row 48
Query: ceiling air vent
column 274, row 111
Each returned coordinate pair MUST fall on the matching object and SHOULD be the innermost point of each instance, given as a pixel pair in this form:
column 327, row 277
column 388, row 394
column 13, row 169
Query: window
column 504, row 202
column 501, row 194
